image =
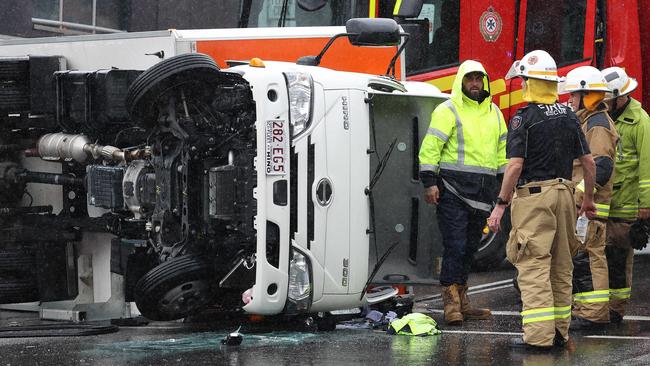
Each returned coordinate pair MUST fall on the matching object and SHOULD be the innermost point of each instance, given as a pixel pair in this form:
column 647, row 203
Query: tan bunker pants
column 590, row 276
column 541, row 245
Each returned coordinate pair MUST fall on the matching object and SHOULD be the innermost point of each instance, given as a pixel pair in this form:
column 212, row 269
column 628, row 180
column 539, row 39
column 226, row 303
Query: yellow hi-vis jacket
column 464, row 135
column 632, row 171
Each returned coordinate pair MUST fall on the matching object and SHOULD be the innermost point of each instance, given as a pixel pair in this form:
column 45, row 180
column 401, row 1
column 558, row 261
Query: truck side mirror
column 366, row 32
column 311, row 5
column 372, row 32
column 408, row 9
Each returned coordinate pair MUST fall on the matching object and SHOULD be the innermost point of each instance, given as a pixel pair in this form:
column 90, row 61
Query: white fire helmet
column 618, row 82
column 583, row 78
column 536, row 64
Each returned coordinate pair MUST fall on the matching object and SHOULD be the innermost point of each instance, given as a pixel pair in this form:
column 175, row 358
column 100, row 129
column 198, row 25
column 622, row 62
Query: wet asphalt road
column 272, row 343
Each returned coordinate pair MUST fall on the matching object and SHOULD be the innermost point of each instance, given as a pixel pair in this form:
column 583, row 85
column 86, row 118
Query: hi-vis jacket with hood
column 632, row 171
column 465, row 144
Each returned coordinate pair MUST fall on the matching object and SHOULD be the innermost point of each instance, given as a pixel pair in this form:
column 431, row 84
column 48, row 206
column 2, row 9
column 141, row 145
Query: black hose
column 56, row 330
column 11, row 211
column 50, row 178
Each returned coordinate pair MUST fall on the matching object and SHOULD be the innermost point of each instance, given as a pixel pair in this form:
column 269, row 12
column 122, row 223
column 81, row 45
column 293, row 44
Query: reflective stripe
column 503, row 137
column 428, row 168
column 592, row 296
column 644, row 183
column 537, row 315
column 624, row 212
column 467, row 168
column 625, row 157
column 471, row 203
column 398, row 3
column 437, row 133
column 562, row 312
column 459, row 134
column 502, row 169
column 547, row 73
column 577, row 87
column 544, row 314
column 602, row 210
column 624, row 88
column 581, row 186
column 620, row 293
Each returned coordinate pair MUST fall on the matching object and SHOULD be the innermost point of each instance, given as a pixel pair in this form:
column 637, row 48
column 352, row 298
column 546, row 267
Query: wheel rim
column 185, row 297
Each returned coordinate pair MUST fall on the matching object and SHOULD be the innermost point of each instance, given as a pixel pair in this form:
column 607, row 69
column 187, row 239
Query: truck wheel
column 175, row 289
column 16, row 290
column 190, row 69
column 491, row 253
column 17, row 260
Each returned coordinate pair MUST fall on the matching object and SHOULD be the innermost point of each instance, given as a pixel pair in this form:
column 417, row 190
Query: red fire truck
column 443, row 33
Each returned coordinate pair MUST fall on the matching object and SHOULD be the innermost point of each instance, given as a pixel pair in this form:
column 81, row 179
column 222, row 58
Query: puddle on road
column 209, row 341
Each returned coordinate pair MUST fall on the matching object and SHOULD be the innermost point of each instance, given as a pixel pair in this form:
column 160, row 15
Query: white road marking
column 490, row 284
column 637, row 317
column 438, row 297
column 617, row 337
column 472, row 289
column 489, row 289
column 483, row 333
column 497, row 312
column 516, row 313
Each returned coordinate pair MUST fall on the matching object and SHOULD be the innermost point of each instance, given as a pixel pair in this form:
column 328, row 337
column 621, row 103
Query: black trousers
column 461, row 227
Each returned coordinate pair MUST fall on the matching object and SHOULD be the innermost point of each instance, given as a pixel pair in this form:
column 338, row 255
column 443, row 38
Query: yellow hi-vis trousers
column 590, row 276
column 541, row 245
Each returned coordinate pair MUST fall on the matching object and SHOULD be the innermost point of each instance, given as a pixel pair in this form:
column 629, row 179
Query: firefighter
column 544, row 138
column 590, row 278
column 460, row 157
column 631, row 197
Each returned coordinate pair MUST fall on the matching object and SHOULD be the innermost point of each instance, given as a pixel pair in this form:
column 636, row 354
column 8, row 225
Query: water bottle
column 581, row 228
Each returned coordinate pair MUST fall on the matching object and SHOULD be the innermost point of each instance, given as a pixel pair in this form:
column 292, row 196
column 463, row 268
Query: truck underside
column 170, row 174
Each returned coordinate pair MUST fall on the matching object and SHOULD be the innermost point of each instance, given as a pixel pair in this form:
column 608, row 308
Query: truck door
column 564, row 29
column 398, row 214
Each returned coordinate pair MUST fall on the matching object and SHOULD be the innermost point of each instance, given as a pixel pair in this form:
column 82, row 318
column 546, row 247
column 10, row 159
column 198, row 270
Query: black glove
column 639, row 233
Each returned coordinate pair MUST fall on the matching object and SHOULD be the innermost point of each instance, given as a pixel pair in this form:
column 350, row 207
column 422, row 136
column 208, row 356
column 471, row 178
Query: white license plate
column 346, row 311
column 277, row 147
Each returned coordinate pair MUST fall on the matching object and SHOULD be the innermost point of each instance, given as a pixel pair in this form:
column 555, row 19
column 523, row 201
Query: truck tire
column 175, row 289
column 491, row 253
column 189, row 69
column 16, row 290
column 17, row 260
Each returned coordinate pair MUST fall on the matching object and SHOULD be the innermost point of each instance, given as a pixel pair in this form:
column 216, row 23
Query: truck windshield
column 296, row 13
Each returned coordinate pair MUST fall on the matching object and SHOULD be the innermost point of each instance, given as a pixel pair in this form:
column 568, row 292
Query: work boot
column 470, row 313
column 615, row 317
column 559, row 341
column 451, row 299
column 519, row 344
column 580, row 323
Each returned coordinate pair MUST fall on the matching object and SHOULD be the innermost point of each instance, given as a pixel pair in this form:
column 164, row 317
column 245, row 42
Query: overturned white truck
column 284, row 181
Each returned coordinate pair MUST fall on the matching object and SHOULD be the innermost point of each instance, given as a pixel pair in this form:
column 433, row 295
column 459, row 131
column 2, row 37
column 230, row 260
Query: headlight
column 299, row 281
column 299, row 86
